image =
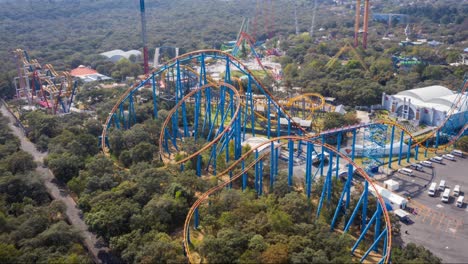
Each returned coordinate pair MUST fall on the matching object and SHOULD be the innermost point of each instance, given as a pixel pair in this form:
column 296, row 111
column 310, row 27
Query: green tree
column 21, row 162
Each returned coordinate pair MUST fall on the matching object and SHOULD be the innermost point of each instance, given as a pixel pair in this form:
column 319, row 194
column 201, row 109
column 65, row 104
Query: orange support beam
column 356, row 23
column 366, row 24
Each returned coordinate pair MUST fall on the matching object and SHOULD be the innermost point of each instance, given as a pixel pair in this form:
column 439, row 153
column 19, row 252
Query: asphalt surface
column 99, row 253
column 440, row 227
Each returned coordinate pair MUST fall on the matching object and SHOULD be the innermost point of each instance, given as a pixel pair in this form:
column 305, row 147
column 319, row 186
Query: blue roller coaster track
column 218, row 118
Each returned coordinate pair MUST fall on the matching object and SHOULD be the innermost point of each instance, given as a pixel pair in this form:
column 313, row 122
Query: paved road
column 100, row 254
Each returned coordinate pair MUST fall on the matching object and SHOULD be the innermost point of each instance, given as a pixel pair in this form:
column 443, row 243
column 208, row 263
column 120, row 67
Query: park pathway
column 99, row 253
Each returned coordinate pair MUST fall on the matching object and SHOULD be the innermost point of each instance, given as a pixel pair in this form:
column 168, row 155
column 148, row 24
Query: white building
column 429, row 105
column 116, row 55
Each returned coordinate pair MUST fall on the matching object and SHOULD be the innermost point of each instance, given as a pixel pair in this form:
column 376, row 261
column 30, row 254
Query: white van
column 416, row 167
column 448, row 156
column 446, row 196
column 426, row 163
column 457, row 152
column 406, row 171
column 437, row 159
column 442, row 185
column 432, row 189
column 460, row 201
column 456, row 190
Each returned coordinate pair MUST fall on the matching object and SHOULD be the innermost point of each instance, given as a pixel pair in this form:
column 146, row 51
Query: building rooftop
column 82, row 71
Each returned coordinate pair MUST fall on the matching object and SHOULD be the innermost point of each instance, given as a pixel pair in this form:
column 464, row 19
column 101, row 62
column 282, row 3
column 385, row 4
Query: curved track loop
column 217, row 138
column 307, row 97
column 216, row 53
column 223, row 185
column 302, row 137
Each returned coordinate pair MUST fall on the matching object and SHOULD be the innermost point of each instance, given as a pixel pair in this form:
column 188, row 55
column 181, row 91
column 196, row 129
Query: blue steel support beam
column 375, row 244
column 364, row 205
column 338, row 147
column 268, row 119
column 437, row 139
column 364, row 231
column 425, row 150
column 329, row 176
column 377, row 230
column 353, row 215
column 390, row 155
column 353, row 148
column 416, row 152
column 290, row 161
column 348, row 186
column 322, row 161
column 260, row 184
column 340, row 205
column 257, row 165
column 309, row 169
column 197, row 218
column 408, row 153
column 401, row 147
column 272, row 164
column 155, row 103
column 244, row 177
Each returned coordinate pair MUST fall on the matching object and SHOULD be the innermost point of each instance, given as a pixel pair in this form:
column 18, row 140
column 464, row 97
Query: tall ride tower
column 143, row 36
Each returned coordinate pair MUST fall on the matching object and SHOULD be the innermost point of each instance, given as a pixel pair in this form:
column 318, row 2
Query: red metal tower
column 365, row 23
column 143, row 36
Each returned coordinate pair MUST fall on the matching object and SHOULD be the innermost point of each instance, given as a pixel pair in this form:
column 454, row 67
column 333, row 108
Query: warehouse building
column 429, row 105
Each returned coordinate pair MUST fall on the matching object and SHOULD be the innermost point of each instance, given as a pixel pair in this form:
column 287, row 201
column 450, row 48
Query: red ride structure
column 143, row 36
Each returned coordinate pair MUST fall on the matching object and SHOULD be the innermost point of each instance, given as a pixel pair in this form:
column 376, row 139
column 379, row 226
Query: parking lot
column 440, row 227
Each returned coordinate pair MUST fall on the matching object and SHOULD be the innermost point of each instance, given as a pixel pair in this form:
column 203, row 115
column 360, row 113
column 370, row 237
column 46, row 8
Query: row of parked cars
column 446, row 192
column 428, row 163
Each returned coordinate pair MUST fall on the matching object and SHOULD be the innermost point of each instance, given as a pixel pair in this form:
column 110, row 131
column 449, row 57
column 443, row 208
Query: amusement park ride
column 224, row 117
column 43, row 85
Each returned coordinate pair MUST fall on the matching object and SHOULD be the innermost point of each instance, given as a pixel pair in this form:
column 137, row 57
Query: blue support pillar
column 377, row 229
column 353, row 215
column 260, row 184
column 416, row 152
column 408, row 154
column 338, row 146
column 348, row 186
column 364, row 231
column 390, row 155
column 309, row 169
column 425, row 150
column 155, row 103
column 329, row 176
column 290, row 162
column 375, row 244
column 244, row 177
column 402, row 134
column 257, row 165
column 353, row 147
column 197, row 219
column 272, row 164
column 322, row 161
column 268, row 119
column 364, row 205
column 437, row 139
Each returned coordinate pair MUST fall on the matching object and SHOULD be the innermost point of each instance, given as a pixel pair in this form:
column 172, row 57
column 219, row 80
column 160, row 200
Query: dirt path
column 99, row 253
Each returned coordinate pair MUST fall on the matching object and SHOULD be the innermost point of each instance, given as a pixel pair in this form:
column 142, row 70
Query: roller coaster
column 43, row 85
column 211, row 120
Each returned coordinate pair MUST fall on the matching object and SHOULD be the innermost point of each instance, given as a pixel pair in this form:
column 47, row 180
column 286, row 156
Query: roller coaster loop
column 218, row 119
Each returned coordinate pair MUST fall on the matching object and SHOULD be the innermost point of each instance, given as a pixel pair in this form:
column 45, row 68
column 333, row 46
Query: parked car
column 417, row 167
column 426, row 163
column 448, row 156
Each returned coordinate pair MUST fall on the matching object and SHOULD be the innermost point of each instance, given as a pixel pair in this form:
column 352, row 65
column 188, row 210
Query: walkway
column 99, row 254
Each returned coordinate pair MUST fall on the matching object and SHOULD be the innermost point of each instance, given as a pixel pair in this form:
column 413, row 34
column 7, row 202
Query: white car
column 448, row 156
column 426, row 163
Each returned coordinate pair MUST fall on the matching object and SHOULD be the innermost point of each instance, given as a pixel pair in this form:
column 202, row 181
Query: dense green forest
column 33, row 228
